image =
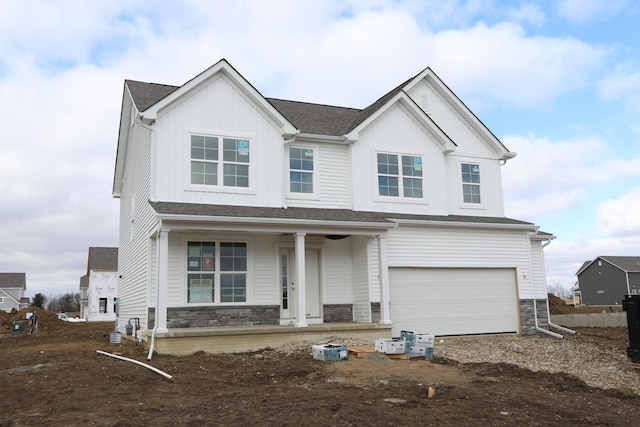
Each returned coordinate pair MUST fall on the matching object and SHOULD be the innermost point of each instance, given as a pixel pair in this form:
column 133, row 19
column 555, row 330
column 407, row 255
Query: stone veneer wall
column 194, row 317
column 375, row 312
column 335, row 313
column 527, row 318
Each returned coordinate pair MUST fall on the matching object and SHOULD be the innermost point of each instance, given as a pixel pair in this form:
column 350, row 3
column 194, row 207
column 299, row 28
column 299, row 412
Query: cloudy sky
column 556, row 81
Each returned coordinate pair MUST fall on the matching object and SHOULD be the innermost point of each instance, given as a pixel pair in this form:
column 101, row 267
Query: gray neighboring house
column 99, row 287
column 12, row 287
column 607, row 279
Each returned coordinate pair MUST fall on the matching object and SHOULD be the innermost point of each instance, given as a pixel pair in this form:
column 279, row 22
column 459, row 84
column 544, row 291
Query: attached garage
column 452, row 301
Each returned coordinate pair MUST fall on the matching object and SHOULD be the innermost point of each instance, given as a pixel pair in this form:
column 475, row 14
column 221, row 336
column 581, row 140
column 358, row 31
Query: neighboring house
column 12, row 288
column 607, row 279
column 236, row 209
column 99, row 287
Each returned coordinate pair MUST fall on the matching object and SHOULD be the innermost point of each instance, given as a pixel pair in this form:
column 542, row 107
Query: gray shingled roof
column 316, row 118
column 307, row 117
column 105, row 259
column 626, row 263
column 13, row 280
column 170, row 208
column 146, row 94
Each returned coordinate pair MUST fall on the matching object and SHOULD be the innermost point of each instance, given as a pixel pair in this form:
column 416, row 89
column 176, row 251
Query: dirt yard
column 56, row 377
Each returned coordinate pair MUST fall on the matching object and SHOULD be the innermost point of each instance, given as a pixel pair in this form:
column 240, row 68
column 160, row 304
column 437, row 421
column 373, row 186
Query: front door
column 288, row 287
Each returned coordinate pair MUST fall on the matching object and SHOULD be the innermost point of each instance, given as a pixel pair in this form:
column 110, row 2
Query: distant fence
column 591, row 320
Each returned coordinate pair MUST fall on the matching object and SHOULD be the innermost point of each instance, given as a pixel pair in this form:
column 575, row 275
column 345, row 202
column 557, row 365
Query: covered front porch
column 238, row 339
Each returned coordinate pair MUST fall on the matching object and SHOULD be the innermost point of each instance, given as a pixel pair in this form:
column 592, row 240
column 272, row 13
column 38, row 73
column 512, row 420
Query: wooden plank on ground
column 363, row 350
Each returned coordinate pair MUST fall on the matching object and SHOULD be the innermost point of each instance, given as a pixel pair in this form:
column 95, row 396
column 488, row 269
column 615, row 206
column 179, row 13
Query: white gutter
column 533, row 292
column 155, row 323
column 553, row 325
column 457, row 224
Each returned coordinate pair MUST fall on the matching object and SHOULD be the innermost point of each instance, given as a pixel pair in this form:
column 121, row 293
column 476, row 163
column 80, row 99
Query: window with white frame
column 218, row 161
column 400, row 175
column 1, row 300
column 301, row 169
column 470, row 182
column 211, row 263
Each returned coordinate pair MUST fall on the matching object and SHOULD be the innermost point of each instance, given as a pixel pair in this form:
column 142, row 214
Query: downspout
column 155, row 323
column 533, row 293
column 553, row 325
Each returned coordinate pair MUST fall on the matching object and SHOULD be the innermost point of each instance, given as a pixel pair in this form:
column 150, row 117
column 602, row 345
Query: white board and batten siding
column 483, row 271
column 396, row 132
column 218, row 108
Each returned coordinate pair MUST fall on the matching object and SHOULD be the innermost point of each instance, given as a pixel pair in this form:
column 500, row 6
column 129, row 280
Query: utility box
column 19, row 329
column 631, row 304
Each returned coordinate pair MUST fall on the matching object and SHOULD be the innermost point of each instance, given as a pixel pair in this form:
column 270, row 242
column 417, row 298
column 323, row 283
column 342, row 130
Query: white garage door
column 444, row 301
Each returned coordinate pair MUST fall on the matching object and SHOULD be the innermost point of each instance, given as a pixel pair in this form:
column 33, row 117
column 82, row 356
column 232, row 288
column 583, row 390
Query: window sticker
column 243, row 147
column 417, row 163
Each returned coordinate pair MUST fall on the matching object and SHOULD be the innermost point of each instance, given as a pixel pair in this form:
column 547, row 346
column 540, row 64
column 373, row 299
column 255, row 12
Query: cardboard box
column 409, row 337
column 419, row 351
column 425, row 340
column 390, row 346
column 329, row 352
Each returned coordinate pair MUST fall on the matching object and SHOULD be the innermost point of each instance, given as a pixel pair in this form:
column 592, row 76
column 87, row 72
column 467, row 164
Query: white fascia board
column 322, row 138
column 288, row 223
column 489, row 225
column 446, row 144
column 489, row 138
column 123, row 138
column 222, row 66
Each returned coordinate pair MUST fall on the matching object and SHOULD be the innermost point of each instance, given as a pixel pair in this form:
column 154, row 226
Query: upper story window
column 301, row 170
column 470, row 182
column 210, row 167
column 399, row 175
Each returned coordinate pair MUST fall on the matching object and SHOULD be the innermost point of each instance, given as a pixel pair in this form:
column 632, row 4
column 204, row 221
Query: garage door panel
column 453, row 301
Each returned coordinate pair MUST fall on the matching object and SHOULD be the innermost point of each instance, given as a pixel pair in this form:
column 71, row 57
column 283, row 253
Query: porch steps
column 359, row 351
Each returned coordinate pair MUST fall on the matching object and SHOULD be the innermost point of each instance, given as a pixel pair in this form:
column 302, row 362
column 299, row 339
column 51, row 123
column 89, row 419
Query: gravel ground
column 596, row 365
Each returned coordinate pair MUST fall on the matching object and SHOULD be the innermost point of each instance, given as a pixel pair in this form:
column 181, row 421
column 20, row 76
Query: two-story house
column 606, row 280
column 243, row 214
column 99, row 287
column 12, row 288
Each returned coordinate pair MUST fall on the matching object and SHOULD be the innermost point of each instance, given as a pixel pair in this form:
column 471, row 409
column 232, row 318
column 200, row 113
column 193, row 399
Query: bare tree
column 559, row 290
column 64, row 303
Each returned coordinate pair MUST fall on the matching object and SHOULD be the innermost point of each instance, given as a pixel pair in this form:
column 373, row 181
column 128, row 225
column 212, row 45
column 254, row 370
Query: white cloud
column 584, row 11
column 528, row 13
column 620, row 217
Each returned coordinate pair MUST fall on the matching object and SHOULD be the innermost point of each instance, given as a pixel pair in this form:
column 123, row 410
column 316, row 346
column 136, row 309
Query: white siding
column 134, row 229
column 337, row 272
column 396, row 132
column 361, row 279
column 411, row 246
column 334, row 179
column 538, row 269
column 450, row 121
column 218, row 108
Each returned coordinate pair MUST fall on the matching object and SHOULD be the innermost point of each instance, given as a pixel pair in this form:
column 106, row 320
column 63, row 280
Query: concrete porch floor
column 238, row 339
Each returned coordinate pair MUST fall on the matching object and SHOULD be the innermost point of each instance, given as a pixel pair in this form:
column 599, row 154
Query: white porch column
column 301, row 285
column 383, row 280
column 162, row 243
